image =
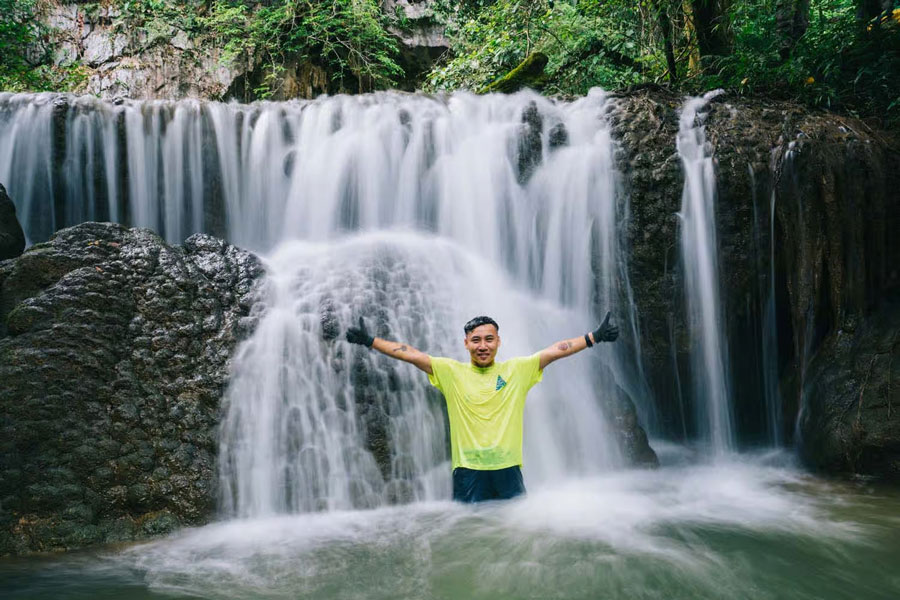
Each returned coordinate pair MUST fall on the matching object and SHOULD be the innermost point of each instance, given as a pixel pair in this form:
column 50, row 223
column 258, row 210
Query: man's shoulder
column 445, row 361
column 519, row 360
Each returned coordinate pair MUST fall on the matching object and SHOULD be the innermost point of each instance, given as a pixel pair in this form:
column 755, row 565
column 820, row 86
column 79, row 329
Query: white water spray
column 303, row 410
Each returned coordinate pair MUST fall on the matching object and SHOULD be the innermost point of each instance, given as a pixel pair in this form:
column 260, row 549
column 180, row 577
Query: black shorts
column 470, row 485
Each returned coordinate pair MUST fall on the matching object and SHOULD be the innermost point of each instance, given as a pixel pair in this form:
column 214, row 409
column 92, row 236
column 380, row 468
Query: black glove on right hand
column 359, row 335
column 606, row 332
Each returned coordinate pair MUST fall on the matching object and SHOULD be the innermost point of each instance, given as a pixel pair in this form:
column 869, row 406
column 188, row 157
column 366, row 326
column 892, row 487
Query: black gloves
column 359, row 335
column 604, row 333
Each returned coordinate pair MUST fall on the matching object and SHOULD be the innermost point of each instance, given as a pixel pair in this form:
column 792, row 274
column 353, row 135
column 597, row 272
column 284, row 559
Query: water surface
column 739, row 528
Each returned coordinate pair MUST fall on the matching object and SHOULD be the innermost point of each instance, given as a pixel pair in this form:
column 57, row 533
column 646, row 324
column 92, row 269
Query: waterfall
column 774, row 407
column 413, row 212
column 709, row 350
column 454, row 216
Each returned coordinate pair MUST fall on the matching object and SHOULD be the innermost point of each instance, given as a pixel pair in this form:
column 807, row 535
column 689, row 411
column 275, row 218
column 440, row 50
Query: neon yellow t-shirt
column 486, row 407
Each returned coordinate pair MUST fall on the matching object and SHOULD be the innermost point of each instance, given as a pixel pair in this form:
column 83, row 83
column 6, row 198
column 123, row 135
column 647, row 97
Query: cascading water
column 505, row 205
column 709, row 352
column 302, row 408
column 302, row 411
column 770, row 362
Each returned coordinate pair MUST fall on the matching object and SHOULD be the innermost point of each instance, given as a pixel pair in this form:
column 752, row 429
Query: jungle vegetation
column 841, row 54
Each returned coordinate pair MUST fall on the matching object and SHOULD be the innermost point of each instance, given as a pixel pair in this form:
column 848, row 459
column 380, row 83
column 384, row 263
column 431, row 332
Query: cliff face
column 114, row 352
column 156, row 60
column 826, row 268
column 139, row 57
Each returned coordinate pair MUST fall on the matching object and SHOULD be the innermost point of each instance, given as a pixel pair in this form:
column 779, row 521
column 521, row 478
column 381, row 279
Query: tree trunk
column 665, row 27
column 711, row 26
column 791, row 22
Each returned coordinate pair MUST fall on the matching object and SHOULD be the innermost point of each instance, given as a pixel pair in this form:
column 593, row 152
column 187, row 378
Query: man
column 485, row 401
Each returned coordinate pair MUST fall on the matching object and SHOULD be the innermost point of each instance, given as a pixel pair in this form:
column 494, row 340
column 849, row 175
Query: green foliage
column 25, row 52
column 588, row 43
column 158, row 15
column 839, row 61
column 348, row 38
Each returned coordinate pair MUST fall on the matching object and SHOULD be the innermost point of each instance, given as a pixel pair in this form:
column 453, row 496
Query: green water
column 741, row 529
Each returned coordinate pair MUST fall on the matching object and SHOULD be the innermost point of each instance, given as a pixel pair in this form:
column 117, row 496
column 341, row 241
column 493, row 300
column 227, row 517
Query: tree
column 791, row 22
column 661, row 9
column 712, row 27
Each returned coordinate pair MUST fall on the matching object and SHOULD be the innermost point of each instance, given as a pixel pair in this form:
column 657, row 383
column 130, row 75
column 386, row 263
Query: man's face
column 482, row 344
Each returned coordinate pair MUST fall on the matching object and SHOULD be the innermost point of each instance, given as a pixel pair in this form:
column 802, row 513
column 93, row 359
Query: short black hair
column 478, row 322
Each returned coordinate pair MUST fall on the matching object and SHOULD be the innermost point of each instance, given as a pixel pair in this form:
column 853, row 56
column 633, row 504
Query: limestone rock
column 181, row 40
column 630, row 436
column 102, row 46
column 834, row 186
column 114, row 353
column 421, row 36
column 850, row 406
column 159, row 61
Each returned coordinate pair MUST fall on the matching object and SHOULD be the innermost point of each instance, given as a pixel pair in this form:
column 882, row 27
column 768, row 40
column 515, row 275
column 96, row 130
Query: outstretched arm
column 563, row 348
column 404, row 352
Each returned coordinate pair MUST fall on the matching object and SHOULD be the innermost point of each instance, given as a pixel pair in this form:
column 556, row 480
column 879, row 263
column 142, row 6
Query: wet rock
column 399, row 491
column 530, row 144
column 850, row 403
column 110, row 381
column 630, row 436
column 834, row 185
column 645, row 127
column 12, row 238
column 559, row 136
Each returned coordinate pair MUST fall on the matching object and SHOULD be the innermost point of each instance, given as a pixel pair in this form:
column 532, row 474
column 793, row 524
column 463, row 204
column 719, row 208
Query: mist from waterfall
column 699, row 251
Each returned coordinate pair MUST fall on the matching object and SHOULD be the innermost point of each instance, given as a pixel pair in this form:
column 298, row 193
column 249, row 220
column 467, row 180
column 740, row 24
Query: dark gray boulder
column 630, row 437
column 12, row 238
column 850, row 407
column 114, row 353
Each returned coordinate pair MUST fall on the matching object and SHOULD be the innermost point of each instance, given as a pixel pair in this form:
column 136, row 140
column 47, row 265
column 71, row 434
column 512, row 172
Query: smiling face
column 482, row 344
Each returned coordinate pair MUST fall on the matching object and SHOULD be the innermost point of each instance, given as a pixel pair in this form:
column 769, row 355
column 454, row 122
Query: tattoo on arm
column 400, row 349
column 563, row 346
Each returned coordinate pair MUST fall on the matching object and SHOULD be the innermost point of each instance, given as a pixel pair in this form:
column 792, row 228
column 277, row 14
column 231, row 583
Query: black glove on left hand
column 606, row 332
column 359, row 335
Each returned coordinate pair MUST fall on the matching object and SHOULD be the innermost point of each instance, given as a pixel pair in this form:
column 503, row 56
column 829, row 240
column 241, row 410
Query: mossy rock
column 529, row 73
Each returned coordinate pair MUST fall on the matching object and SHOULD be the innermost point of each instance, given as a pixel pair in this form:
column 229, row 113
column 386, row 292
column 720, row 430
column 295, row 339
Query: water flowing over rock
column 454, row 169
column 700, row 265
column 806, row 207
column 114, row 353
column 12, row 238
column 386, row 206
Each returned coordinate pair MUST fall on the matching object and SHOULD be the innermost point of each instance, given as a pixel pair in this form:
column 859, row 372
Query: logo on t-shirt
column 500, row 383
